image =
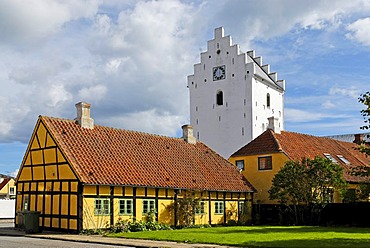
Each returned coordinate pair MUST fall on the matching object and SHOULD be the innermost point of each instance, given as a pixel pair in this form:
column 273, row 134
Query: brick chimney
column 359, row 139
column 83, row 115
column 274, row 124
column 187, row 134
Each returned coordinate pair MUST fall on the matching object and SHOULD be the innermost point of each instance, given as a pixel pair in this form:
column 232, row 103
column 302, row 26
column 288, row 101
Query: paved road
column 24, row 242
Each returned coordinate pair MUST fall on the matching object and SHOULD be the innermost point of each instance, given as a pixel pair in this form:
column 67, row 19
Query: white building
column 232, row 95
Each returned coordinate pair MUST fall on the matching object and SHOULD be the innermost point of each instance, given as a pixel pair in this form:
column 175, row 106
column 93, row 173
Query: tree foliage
column 364, row 171
column 305, row 187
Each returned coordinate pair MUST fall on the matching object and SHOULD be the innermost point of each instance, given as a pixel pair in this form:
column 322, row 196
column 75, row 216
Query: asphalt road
column 24, row 242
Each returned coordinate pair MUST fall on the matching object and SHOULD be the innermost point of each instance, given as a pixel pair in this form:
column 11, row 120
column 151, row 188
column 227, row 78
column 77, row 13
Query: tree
column 305, row 187
column 364, row 171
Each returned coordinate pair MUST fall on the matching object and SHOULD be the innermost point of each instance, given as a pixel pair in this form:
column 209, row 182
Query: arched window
column 268, row 100
column 220, row 98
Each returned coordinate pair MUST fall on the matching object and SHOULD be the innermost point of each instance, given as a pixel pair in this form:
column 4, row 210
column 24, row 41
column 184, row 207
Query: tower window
column 220, row 98
column 268, row 100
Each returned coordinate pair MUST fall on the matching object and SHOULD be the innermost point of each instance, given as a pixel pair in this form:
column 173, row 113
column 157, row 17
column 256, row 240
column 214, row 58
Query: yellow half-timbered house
column 81, row 176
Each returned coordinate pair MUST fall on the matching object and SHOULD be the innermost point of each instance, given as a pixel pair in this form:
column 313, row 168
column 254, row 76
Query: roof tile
column 105, row 155
column 297, row 146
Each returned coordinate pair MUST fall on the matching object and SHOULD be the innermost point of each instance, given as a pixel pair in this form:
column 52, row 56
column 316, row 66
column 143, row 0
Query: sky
column 131, row 59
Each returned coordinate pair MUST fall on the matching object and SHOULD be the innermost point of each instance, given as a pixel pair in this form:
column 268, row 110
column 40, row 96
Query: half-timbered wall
column 46, row 183
column 163, row 199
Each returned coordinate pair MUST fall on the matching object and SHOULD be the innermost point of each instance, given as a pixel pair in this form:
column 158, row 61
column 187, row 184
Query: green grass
column 263, row 236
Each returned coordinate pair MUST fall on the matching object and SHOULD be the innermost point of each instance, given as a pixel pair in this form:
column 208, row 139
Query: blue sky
column 130, row 60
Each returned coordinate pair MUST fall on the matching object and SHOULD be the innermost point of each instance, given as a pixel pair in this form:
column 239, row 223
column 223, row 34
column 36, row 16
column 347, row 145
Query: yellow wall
column 261, row 179
column 46, row 183
column 5, row 191
column 165, row 210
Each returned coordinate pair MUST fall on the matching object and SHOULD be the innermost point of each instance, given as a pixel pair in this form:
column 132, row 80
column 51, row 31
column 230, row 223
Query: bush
column 149, row 224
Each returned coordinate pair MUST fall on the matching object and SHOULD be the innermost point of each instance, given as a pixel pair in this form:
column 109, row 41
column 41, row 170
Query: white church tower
column 232, row 96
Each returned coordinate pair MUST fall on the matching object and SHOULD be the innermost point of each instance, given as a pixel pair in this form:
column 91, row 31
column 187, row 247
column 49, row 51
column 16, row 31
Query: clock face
column 219, row 73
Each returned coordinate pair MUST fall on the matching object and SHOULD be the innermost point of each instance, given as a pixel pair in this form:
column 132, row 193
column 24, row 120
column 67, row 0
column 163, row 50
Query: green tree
column 364, row 171
column 306, row 187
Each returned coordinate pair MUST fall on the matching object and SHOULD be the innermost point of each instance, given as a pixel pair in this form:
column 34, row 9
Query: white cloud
column 29, row 21
column 93, row 93
column 328, row 105
column 298, row 115
column 351, row 92
column 150, row 120
column 359, row 31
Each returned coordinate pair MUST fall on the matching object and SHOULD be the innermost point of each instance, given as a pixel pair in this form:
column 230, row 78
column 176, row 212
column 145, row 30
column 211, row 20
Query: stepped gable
column 111, row 156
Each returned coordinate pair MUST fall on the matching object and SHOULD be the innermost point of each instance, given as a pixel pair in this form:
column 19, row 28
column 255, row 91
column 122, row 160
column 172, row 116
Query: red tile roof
column 110, row 156
column 4, row 182
column 297, row 146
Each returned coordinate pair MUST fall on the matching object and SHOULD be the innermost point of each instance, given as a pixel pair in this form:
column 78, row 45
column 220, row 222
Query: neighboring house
column 263, row 157
column 232, row 93
column 7, row 187
column 82, row 176
column 356, row 138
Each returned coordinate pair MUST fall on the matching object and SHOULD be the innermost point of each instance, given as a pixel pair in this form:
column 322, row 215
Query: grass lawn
column 263, row 236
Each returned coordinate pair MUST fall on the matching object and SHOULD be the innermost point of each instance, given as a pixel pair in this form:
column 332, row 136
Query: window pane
column 265, row 163
column 240, row 164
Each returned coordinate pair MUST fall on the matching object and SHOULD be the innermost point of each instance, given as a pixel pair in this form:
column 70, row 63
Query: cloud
column 29, row 21
column 351, row 92
column 297, row 115
column 328, row 105
column 359, row 31
column 249, row 17
column 151, row 121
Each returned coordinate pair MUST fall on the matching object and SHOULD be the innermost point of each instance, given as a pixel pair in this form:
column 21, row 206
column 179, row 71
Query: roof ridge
column 115, row 128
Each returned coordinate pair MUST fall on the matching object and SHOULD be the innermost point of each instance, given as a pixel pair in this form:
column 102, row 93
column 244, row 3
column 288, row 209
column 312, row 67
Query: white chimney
column 274, row 124
column 83, row 115
column 187, row 134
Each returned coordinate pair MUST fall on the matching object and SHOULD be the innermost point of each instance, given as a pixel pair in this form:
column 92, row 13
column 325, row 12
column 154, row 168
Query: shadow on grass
column 293, row 229
column 327, row 243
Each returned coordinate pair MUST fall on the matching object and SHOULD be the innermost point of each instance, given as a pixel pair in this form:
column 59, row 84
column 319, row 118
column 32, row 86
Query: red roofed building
column 81, row 176
column 263, row 157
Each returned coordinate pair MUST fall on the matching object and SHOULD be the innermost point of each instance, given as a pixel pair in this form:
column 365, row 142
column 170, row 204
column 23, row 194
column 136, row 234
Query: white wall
column 243, row 115
column 7, row 209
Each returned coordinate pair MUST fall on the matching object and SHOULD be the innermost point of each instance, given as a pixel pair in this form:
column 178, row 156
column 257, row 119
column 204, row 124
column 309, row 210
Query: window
column 328, row 156
column 12, row 191
column 219, row 207
column 242, row 208
column 220, row 98
column 201, row 208
column 25, row 202
column 148, row 206
column 268, row 100
column 265, row 163
column 125, row 206
column 328, row 195
column 239, row 164
column 102, row 207
column 343, row 159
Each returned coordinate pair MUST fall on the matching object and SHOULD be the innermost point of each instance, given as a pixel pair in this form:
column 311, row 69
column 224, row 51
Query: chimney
column 274, row 124
column 83, row 115
column 187, row 134
column 359, row 139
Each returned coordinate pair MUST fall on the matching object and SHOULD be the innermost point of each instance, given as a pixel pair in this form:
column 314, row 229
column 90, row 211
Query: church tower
column 232, row 96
